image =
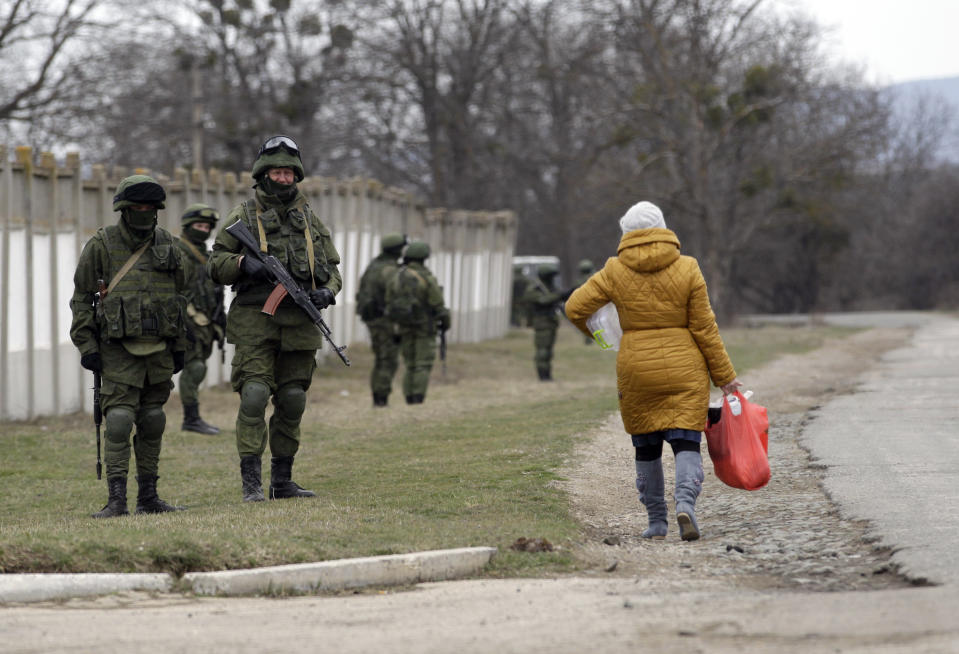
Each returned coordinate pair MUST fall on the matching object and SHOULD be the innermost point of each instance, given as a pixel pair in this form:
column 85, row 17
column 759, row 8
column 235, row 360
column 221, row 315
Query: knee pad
column 291, row 401
column 119, row 423
column 253, row 398
column 196, row 369
column 151, row 422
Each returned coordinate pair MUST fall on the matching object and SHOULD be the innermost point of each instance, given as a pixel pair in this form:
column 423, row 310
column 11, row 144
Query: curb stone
column 389, row 570
column 41, row 587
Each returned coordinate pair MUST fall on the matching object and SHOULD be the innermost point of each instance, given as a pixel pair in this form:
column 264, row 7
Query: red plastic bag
column 738, row 445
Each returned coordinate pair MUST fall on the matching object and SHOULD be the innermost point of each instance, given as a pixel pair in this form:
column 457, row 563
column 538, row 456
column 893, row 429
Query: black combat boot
column 116, row 499
column 544, row 374
column 282, row 485
column 250, row 466
column 147, row 499
column 418, row 399
column 411, row 399
column 380, row 400
column 193, row 422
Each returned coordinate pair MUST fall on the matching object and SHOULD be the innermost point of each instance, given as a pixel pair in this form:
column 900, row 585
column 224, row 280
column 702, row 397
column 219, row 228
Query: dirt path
column 786, row 535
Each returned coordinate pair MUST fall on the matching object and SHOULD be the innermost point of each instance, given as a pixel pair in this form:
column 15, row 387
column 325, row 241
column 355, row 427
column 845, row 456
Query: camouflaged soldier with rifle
column 371, row 305
column 275, row 352
column 414, row 301
column 544, row 301
column 135, row 338
column 205, row 315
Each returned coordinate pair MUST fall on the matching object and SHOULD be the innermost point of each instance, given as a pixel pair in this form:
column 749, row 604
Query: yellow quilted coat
column 671, row 345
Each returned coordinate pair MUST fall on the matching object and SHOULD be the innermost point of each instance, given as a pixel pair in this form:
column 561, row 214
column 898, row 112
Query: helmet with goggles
column 278, row 152
column 199, row 213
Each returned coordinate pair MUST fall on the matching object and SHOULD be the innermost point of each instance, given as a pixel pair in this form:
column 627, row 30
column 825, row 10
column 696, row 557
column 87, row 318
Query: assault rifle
column 284, row 285
column 97, row 411
column 443, row 351
column 219, row 320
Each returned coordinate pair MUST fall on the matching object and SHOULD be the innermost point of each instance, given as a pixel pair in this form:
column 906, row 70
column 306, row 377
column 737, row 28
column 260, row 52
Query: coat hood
column 648, row 250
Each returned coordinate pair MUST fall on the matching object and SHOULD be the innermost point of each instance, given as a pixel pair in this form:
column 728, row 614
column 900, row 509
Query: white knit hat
column 642, row 215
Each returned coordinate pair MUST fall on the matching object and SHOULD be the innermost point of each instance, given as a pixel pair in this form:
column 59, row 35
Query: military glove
column 322, row 297
column 443, row 322
column 254, row 269
column 92, row 362
column 178, row 358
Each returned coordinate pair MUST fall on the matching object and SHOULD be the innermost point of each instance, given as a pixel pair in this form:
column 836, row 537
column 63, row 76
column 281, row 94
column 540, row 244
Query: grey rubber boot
column 147, row 499
column 116, row 499
column 250, row 469
column 689, row 482
column 282, row 485
column 652, row 493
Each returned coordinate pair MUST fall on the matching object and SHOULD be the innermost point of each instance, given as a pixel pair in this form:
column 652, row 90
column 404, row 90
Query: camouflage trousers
column 194, row 367
column 544, row 338
column 386, row 350
column 418, row 348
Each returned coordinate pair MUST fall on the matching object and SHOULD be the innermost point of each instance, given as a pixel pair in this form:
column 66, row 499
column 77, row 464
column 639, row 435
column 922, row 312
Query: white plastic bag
column 604, row 326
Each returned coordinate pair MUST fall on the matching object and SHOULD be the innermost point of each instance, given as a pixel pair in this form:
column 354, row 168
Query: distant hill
column 946, row 88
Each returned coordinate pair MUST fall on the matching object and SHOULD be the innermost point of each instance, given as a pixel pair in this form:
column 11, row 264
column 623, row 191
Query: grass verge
column 474, row 465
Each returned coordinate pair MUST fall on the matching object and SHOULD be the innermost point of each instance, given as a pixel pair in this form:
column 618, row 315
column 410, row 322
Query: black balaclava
column 141, row 223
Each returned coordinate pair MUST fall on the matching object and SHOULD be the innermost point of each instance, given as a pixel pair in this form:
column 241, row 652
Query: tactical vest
column 287, row 241
column 406, row 298
column 145, row 302
column 201, row 292
column 371, row 298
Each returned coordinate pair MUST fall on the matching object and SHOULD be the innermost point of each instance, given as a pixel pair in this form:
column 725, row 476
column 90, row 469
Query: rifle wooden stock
column 282, row 279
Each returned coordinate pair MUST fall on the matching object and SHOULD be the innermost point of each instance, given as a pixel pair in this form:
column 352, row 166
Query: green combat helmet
column 278, row 152
column 138, row 189
column 547, row 270
column 393, row 241
column 417, row 251
column 585, row 266
column 199, row 213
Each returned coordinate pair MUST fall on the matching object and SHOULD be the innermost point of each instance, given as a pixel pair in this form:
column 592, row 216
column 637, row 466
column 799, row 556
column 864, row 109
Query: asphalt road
column 892, row 448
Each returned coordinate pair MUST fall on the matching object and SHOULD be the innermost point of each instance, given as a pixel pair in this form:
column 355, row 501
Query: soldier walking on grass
column 136, row 337
column 544, row 302
column 414, row 301
column 371, row 305
column 275, row 354
column 205, row 315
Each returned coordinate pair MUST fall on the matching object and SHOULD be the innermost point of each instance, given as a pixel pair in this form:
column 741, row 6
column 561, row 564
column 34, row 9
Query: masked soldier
column 206, row 319
column 544, row 301
column 275, row 355
column 414, row 301
column 135, row 338
column 371, row 305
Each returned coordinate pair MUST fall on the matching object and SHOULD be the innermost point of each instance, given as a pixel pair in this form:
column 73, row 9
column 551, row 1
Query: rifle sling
column 306, row 233
column 127, row 266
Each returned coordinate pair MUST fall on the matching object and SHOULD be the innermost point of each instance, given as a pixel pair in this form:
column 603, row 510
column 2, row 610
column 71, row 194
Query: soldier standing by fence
column 414, row 301
column 135, row 339
column 371, row 305
column 206, row 318
column 544, row 302
column 275, row 354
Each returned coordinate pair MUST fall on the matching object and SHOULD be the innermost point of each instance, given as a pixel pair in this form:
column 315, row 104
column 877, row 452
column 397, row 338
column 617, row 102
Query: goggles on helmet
column 274, row 143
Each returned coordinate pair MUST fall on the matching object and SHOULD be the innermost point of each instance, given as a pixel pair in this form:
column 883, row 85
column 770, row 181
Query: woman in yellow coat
column 669, row 352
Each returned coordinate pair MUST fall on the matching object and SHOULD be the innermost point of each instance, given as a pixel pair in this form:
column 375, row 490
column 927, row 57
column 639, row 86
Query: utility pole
column 197, row 98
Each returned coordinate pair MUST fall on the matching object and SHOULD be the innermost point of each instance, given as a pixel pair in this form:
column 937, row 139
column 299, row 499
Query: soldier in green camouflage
column 275, row 354
column 544, row 300
column 414, row 301
column 371, row 305
column 135, row 338
column 206, row 319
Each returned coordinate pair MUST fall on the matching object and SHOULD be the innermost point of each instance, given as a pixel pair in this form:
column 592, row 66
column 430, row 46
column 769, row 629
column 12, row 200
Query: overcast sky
column 897, row 40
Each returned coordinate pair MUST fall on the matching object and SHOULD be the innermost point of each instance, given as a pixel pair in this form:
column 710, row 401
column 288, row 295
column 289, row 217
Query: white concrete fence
column 48, row 211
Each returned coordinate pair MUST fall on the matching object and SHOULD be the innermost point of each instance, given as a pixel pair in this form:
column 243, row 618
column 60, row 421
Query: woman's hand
column 732, row 387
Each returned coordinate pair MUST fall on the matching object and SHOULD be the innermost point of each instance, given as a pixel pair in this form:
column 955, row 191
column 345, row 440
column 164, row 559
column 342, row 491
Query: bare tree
column 42, row 47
